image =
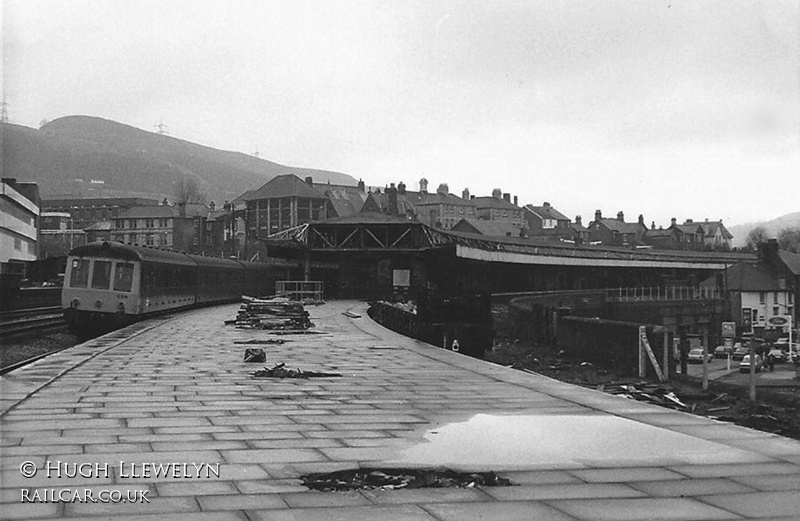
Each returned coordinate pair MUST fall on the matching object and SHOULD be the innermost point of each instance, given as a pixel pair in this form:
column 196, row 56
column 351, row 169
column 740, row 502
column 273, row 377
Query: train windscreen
column 101, row 276
column 80, row 273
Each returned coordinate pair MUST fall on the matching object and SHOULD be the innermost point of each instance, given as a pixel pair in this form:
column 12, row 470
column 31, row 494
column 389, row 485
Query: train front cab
column 99, row 290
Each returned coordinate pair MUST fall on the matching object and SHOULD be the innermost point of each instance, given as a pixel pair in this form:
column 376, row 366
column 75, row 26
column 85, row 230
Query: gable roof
column 288, row 185
column 620, row 226
column 546, row 212
column 346, row 200
column 710, row 228
column 691, row 228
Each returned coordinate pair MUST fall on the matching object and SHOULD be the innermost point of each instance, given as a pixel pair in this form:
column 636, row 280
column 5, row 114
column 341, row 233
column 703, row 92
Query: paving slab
column 173, row 396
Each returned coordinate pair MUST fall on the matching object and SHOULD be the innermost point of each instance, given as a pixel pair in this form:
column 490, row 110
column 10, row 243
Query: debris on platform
column 389, row 479
column 276, row 313
column 260, row 341
column 350, row 314
column 252, row 355
column 280, row 371
column 646, row 392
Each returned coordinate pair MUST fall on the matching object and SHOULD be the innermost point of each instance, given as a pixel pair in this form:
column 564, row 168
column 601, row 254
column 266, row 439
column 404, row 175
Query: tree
column 789, row 239
column 187, row 190
column 756, row 236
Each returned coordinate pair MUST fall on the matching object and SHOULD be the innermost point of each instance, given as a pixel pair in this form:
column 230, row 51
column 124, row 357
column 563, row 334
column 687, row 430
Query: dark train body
column 108, row 284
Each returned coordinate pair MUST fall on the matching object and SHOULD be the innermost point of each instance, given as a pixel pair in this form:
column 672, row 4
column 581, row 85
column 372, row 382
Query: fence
column 309, row 291
column 663, row 294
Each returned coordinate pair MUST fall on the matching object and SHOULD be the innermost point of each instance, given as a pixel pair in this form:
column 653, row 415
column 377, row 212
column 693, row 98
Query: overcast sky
column 684, row 108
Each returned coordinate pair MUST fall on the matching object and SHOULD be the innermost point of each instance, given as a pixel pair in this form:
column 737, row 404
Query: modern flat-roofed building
column 19, row 220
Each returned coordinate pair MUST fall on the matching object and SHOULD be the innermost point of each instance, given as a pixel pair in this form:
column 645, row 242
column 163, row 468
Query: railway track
column 27, row 321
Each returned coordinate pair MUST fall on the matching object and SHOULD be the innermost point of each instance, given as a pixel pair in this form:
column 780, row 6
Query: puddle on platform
column 530, row 441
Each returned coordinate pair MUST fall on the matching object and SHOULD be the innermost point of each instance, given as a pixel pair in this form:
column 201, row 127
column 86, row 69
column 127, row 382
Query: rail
column 669, row 293
column 38, row 320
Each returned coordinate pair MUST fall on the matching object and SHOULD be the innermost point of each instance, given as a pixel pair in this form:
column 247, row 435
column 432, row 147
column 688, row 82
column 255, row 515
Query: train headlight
column 121, row 307
column 98, row 304
column 75, row 303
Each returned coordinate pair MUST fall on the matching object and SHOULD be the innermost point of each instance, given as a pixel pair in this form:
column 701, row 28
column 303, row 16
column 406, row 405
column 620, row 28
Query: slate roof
column 546, row 212
column 162, row 211
column 747, row 277
column 288, row 185
column 710, row 228
column 620, row 226
column 346, row 200
column 791, row 260
column 100, row 226
column 488, row 228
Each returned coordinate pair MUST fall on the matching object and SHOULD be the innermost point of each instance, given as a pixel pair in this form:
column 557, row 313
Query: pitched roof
column 747, row 277
column 546, row 212
column 488, row 228
column 288, row 185
column 620, row 226
column 791, row 260
column 99, row 226
column 689, row 228
column 710, row 228
column 346, row 200
column 162, row 211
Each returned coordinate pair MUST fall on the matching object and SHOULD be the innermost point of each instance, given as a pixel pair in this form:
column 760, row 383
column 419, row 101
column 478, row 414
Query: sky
column 671, row 108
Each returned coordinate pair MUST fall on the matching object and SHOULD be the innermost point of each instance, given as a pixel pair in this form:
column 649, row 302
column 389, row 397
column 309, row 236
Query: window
column 149, row 240
column 101, row 276
column 149, row 223
column 762, row 298
column 123, row 277
column 17, row 244
column 775, row 298
column 79, row 277
column 120, row 223
column 132, row 223
column 776, row 310
column 791, row 298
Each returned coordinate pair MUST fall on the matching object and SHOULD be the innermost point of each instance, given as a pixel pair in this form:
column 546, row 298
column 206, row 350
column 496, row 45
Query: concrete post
column 705, row 360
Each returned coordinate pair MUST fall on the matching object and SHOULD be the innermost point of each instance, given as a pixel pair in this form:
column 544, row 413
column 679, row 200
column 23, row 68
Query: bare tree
column 789, row 239
column 187, row 190
column 756, row 236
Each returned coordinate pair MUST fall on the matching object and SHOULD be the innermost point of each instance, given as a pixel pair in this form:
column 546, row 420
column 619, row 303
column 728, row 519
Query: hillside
column 89, row 156
column 740, row 231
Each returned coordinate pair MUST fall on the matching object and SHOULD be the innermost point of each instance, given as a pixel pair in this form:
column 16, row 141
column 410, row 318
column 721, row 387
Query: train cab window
column 123, row 277
column 80, row 273
column 101, row 276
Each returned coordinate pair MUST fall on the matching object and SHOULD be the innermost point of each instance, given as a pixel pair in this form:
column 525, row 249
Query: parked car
column 740, row 351
column 722, row 351
column 695, row 356
column 780, row 356
column 744, row 365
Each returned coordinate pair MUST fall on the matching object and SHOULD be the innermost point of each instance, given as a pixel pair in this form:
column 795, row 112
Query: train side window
column 123, row 277
column 80, row 273
column 101, row 276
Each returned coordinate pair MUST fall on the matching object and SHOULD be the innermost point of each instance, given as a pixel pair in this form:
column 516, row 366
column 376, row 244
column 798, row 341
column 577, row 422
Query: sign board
column 401, row 278
column 780, row 321
column 728, row 329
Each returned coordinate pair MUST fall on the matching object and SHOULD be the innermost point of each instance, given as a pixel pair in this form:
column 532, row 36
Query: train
column 109, row 284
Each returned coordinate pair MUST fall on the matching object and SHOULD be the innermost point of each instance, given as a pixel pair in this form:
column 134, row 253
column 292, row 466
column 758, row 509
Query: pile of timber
column 272, row 313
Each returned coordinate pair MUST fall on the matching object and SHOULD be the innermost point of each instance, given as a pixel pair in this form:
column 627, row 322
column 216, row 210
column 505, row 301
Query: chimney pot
column 546, row 204
column 578, row 220
column 598, row 215
column 620, row 216
column 674, row 221
column 515, row 200
column 423, row 186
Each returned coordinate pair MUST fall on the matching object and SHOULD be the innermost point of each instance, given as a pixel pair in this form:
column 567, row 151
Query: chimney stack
column 309, row 180
column 546, row 204
column 391, row 192
column 653, row 225
column 212, row 206
column 578, row 220
column 401, row 188
column 598, row 215
column 361, row 185
column 688, row 221
column 423, row 186
column 497, row 193
column 641, row 219
column 443, row 189
column 620, row 216
column 465, row 194
column 674, row 221
column 507, row 197
column 516, row 201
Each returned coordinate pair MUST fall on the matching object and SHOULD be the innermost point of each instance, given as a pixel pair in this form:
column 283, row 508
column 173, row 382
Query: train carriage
column 108, row 285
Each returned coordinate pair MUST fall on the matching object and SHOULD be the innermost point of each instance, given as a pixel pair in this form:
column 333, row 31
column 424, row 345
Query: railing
column 673, row 293
column 308, row 291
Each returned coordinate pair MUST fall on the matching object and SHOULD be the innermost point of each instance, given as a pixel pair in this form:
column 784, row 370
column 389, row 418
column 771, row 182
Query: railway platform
column 163, row 420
